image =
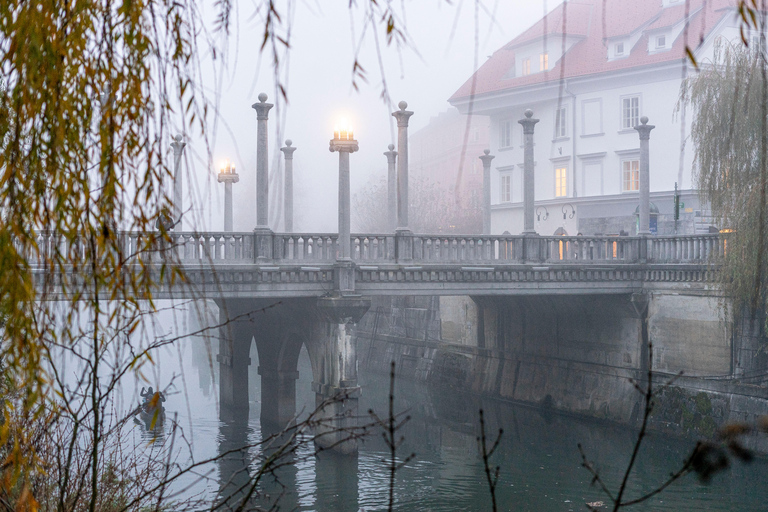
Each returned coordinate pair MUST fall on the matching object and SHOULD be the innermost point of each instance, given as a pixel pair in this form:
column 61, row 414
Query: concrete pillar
column 486, row 158
column 402, row 117
column 391, row 187
column 288, row 199
column 528, row 176
column 344, row 143
column 234, row 359
column 178, row 198
column 262, row 162
column 644, row 130
column 228, row 176
column 336, row 388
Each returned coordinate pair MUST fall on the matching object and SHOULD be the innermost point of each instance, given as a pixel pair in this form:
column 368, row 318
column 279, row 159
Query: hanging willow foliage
column 89, row 91
column 84, row 121
column 730, row 98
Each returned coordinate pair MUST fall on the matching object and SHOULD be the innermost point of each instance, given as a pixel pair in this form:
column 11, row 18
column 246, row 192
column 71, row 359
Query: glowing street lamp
column 344, row 143
column 228, row 176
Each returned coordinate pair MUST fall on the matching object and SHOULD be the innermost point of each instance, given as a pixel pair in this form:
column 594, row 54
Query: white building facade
column 588, row 99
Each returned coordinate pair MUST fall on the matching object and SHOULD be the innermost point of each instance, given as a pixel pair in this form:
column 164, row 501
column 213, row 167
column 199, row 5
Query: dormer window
column 619, row 49
column 543, row 62
column 661, row 42
column 526, row 66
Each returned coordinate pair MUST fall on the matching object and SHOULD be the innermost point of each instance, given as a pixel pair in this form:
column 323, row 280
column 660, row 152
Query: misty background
column 443, row 49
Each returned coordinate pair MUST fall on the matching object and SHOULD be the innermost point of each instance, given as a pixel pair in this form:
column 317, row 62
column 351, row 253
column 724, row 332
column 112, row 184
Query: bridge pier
column 234, row 359
column 278, row 397
column 335, row 385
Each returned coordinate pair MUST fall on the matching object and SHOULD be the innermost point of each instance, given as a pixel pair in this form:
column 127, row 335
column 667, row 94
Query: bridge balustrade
column 223, row 247
column 686, row 248
column 306, row 247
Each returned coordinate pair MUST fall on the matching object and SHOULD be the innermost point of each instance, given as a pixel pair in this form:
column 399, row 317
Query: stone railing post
column 391, row 187
column 644, row 130
column 228, row 176
column 178, row 151
column 288, row 151
column 263, row 238
column 486, row 158
column 404, row 238
column 528, row 177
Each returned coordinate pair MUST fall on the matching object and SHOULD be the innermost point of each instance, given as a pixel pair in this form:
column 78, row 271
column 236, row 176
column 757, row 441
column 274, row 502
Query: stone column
column 228, row 176
column 263, row 240
column 644, row 130
column 288, row 199
column 391, row 187
column 178, row 198
column 337, row 391
column 344, row 143
column 486, row 158
column 262, row 162
column 528, row 176
column 404, row 237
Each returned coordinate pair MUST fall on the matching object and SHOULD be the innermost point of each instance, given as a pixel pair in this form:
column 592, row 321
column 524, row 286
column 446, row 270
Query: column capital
column 402, row 115
column 528, row 122
column 391, row 154
column 262, row 108
column 228, row 177
column 644, row 129
column 486, row 157
column 288, row 149
column 343, row 146
column 178, row 145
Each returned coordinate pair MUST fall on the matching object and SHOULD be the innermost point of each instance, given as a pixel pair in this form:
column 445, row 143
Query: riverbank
column 435, row 342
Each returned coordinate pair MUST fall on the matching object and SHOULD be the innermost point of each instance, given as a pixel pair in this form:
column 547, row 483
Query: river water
column 540, row 465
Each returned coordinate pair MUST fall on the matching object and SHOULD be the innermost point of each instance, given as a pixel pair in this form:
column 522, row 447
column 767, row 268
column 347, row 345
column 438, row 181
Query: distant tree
column 730, row 134
column 433, row 209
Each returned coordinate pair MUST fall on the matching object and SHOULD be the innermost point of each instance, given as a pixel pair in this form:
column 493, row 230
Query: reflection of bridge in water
column 322, row 296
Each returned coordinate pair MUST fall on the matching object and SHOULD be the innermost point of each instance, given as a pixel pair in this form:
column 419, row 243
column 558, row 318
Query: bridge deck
column 299, row 265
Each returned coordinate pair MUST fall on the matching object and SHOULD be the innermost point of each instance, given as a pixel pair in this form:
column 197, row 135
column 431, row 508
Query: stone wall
column 580, row 354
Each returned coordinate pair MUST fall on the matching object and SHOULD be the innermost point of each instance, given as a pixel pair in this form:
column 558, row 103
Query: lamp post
column 344, row 143
column 288, row 213
column 228, row 176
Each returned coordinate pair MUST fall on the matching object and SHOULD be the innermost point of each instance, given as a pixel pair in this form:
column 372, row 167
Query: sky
column 324, row 37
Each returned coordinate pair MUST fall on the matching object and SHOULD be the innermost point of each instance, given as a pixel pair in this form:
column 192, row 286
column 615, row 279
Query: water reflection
column 540, row 464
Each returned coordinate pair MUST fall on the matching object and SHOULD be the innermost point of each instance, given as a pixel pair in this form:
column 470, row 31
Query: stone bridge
column 322, row 296
column 222, row 265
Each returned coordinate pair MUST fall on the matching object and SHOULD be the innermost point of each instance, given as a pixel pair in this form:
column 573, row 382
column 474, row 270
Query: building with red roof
column 589, row 70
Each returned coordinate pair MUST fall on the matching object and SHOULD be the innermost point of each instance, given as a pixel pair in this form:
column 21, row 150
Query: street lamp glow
column 343, row 131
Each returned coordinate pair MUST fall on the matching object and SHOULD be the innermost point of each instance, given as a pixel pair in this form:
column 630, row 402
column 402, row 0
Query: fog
column 316, row 71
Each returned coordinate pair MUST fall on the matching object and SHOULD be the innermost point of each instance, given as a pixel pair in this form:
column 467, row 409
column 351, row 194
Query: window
column 630, row 175
column 619, row 49
column 505, row 134
column 475, row 166
column 526, row 66
column 661, row 42
column 506, row 188
column 561, row 122
column 561, row 182
column 543, row 62
column 630, row 112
